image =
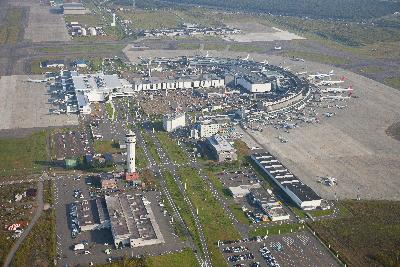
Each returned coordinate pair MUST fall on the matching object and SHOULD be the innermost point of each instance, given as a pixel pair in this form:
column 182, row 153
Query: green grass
column 36, row 69
column 141, row 160
column 317, row 57
column 22, row 156
column 110, row 110
column 393, row 82
column 184, row 258
column 151, row 19
column 275, row 230
column 371, row 69
column 39, row 248
column 11, row 29
column 369, row 237
column 151, row 147
column 184, row 209
column 172, row 149
column 106, row 146
column 246, row 48
column 217, row 47
column 81, row 48
column 187, row 46
column 216, row 224
column 239, row 214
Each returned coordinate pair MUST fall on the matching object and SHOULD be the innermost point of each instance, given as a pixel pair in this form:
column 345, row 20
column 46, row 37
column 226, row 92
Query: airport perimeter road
column 38, row 212
column 164, row 188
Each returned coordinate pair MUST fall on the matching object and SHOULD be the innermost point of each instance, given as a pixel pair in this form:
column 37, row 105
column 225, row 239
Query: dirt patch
column 394, row 130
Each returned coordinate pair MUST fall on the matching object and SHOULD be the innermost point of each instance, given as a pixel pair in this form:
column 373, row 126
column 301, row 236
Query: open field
column 106, row 146
column 393, row 82
column 44, row 24
column 25, row 105
column 22, row 156
column 317, row 57
column 368, row 238
column 11, row 28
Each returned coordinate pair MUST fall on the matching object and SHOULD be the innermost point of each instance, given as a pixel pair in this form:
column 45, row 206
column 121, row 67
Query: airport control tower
column 130, row 145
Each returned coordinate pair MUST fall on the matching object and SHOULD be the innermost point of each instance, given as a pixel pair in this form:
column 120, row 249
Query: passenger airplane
column 337, row 90
column 336, row 97
column 320, row 75
column 36, row 81
column 330, row 82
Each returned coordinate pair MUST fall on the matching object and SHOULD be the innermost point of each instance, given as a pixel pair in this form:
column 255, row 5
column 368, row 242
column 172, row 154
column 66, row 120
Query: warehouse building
column 268, row 204
column 132, row 221
column 299, row 192
column 171, row 122
column 221, row 149
column 92, row 214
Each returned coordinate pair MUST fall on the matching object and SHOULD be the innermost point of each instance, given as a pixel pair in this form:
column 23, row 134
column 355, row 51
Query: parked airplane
column 320, row 75
column 330, row 82
column 35, row 81
column 246, row 58
column 336, row 97
column 283, row 140
column 329, row 114
column 328, row 180
column 337, row 90
column 265, row 62
column 301, row 73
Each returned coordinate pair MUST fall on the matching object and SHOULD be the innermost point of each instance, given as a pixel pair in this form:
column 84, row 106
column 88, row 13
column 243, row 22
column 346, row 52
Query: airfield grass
column 184, row 258
column 23, row 156
column 39, row 247
column 151, row 147
column 371, row 69
column 393, row 82
column 317, row 57
column 370, row 237
column 172, row 149
column 82, row 48
column 36, row 69
column 188, row 46
column 246, row 48
column 11, row 28
column 141, row 161
column 110, row 110
column 183, row 208
column 217, row 47
column 211, row 215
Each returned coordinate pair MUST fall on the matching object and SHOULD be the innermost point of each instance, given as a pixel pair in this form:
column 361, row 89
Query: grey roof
column 220, row 143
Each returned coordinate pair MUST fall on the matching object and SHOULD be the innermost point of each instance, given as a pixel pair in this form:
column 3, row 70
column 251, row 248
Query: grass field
column 184, row 258
column 211, row 214
column 317, row 57
column 187, row 46
column 39, row 248
column 36, row 69
column 10, row 30
column 246, row 48
column 371, row 69
column 183, row 207
column 370, row 237
column 172, row 149
column 110, row 110
column 81, row 48
column 217, row 47
column 105, row 146
column 393, row 82
column 151, row 147
column 22, row 156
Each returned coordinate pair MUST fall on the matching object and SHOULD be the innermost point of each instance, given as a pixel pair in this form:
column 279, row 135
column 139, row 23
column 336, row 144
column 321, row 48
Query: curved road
column 38, row 212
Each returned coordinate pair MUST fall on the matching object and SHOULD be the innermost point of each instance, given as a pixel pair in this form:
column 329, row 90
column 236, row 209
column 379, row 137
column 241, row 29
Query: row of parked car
column 243, row 257
column 235, row 249
column 74, row 223
column 268, row 257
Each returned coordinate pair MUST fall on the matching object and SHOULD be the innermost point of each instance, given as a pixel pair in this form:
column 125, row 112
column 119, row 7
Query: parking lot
column 72, row 144
column 98, row 241
column 295, row 249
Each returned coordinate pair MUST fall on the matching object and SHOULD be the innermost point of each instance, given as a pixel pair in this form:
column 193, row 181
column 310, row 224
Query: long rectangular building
column 299, row 192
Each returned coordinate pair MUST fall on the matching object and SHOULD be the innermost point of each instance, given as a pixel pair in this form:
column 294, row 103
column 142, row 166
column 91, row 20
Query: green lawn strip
column 369, row 237
column 172, row 149
column 371, row 69
column 22, row 156
column 217, row 47
column 239, row 214
column 110, row 110
column 151, row 147
column 211, row 214
column 246, row 48
column 141, row 160
column 393, row 82
column 183, row 207
column 11, row 28
column 275, row 229
column 188, row 46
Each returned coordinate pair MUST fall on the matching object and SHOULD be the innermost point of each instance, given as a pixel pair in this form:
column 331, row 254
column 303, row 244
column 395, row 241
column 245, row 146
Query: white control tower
column 130, row 154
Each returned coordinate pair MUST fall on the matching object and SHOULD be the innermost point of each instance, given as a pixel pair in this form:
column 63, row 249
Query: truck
column 79, row 246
